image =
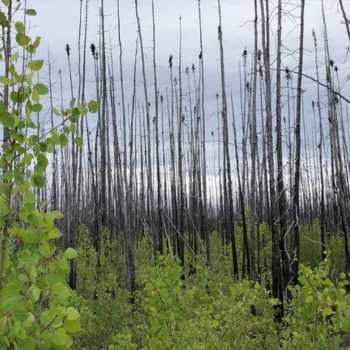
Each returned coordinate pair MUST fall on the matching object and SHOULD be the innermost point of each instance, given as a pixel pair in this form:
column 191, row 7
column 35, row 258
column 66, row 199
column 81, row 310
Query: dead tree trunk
column 296, row 188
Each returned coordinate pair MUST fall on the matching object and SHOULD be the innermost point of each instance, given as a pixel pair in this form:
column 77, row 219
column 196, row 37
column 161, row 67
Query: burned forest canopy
column 158, row 145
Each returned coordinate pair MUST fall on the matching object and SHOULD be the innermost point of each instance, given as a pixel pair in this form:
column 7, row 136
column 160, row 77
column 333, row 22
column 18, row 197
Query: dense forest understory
column 137, row 212
column 205, row 307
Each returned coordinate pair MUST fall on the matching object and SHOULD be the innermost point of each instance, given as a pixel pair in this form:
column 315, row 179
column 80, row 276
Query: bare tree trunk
column 296, row 188
column 280, row 182
column 181, row 227
column 276, row 261
column 320, row 148
column 148, row 121
column 54, row 196
column 103, row 126
column 158, row 241
column 130, row 214
column 253, row 147
column 203, row 191
column 229, row 202
column 345, row 17
column 245, row 243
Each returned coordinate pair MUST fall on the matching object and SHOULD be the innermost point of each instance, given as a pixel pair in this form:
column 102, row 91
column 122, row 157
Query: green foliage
column 86, row 265
column 93, row 106
column 209, row 310
column 101, row 318
column 123, row 341
column 206, row 312
column 319, row 313
column 35, row 301
column 36, row 309
column 104, row 302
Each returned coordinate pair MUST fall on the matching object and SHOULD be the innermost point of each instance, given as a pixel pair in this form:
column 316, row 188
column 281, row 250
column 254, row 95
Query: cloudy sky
column 58, row 20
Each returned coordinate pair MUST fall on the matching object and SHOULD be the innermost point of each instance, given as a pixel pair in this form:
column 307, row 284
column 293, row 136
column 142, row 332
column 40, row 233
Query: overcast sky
column 58, row 20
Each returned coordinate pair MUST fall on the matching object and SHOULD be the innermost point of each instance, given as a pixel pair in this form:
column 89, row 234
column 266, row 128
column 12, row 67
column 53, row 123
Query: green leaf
column 29, row 200
column 61, row 290
column 327, row 311
column 41, row 89
column 3, row 19
column 35, row 293
column 33, row 139
column 75, row 114
column 63, row 141
column 38, row 180
column 72, row 326
column 36, row 42
column 54, row 233
column 19, row 96
column 42, row 161
column 61, row 338
column 37, row 107
column 22, row 39
column 29, row 344
column 93, row 106
column 346, row 324
column 70, row 129
column 5, row 80
column 35, row 95
column 45, row 250
column 14, row 72
column 54, row 215
column 7, row 120
column 55, row 139
column 309, row 299
column 30, row 12
column 20, row 28
column 70, row 254
column 72, row 314
column 6, row 2
column 36, row 65
column 29, row 320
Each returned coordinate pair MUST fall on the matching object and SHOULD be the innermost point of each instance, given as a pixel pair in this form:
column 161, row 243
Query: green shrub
column 208, row 312
column 103, row 303
column 36, row 304
column 319, row 312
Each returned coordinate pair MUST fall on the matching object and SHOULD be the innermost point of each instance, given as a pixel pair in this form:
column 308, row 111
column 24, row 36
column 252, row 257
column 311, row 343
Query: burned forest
column 174, row 174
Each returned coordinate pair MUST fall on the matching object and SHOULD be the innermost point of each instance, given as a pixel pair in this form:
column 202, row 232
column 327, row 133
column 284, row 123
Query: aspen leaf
column 36, row 65
column 30, row 12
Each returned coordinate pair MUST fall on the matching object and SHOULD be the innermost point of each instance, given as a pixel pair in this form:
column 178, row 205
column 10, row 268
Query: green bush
column 209, row 312
column 319, row 312
column 103, row 302
column 36, row 304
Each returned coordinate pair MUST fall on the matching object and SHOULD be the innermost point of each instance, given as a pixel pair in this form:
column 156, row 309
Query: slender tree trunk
column 280, row 181
column 296, row 188
column 229, row 202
